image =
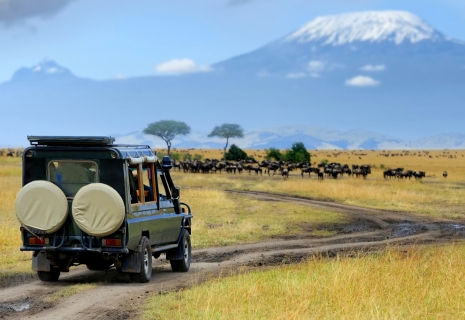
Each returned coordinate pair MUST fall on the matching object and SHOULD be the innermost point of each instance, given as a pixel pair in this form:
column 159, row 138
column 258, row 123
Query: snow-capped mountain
column 392, row 26
column 340, row 44
column 46, row 69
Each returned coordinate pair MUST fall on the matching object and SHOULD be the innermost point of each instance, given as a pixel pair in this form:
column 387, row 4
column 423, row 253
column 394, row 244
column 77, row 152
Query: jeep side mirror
column 166, row 163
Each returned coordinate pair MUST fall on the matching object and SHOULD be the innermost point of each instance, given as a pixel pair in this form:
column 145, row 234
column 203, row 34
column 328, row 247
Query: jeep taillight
column 35, row 241
column 112, row 242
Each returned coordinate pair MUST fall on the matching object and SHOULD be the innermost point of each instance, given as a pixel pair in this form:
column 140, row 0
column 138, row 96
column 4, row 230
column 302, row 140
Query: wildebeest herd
column 329, row 170
column 322, row 170
column 399, row 173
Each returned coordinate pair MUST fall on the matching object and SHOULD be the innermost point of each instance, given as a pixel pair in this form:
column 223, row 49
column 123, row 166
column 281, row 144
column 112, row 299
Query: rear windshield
column 71, row 176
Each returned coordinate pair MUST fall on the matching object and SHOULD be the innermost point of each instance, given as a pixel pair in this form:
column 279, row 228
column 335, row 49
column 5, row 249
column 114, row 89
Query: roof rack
column 71, row 140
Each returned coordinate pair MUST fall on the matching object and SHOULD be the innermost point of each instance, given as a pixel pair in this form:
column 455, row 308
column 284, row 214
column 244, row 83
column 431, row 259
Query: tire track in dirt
column 116, row 298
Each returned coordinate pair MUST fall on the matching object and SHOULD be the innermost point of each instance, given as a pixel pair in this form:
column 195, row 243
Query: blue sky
column 105, row 39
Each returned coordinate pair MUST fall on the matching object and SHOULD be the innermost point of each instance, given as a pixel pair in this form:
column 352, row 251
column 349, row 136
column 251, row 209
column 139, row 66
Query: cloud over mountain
column 180, row 66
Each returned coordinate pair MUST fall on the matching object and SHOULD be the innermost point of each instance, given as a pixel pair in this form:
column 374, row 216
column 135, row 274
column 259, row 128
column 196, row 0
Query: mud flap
column 176, row 253
column 131, row 262
column 40, row 262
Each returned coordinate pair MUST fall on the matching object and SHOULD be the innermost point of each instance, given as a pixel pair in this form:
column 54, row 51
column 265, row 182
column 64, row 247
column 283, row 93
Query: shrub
column 273, row 154
column 297, row 153
column 236, row 153
column 176, row 156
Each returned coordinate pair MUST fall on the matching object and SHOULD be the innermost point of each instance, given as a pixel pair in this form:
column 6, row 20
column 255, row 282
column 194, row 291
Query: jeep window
column 142, row 183
column 71, row 176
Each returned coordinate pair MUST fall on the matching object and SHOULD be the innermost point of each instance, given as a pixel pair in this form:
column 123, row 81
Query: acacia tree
column 227, row 130
column 167, row 130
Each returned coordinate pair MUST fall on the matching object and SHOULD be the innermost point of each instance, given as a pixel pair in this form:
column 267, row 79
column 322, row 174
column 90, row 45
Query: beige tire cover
column 98, row 209
column 41, row 205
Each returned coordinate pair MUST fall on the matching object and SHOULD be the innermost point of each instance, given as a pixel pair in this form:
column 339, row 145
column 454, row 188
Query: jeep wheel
column 183, row 264
column 146, row 262
column 49, row 276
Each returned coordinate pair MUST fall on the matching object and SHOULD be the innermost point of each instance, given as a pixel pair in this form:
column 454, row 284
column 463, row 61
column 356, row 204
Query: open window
column 142, row 183
column 149, row 184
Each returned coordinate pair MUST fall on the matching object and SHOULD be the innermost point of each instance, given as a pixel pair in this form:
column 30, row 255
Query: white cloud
column 180, row 66
column 362, row 81
column 316, row 66
column 296, row 75
column 369, row 67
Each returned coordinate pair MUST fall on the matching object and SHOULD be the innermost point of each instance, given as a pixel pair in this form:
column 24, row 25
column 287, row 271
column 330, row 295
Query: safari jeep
column 88, row 201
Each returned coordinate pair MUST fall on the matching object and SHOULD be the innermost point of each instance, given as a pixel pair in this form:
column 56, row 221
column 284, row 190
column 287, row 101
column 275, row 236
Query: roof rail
column 71, row 140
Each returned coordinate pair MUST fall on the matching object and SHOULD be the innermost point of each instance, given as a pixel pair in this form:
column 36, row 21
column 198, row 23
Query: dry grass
column 225, row 219
column 13, row 263
column 417, row 284
column 69, row 291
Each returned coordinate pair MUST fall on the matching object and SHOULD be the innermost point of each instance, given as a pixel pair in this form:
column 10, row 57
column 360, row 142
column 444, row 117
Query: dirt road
column 114, row 297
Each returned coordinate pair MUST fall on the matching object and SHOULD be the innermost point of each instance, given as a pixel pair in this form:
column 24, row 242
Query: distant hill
column 387, row 72
column 312, row 137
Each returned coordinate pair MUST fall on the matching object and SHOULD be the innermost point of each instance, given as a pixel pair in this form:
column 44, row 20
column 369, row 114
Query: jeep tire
column 185, row 247
column 146, row 262
column 49, row 276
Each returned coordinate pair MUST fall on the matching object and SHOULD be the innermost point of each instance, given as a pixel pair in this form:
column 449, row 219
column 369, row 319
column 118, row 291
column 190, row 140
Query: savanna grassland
column 434, row 195
column 412, row 282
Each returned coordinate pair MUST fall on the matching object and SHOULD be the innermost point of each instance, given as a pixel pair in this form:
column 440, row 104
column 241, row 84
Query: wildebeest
column 251, row 168
column 404, row 174
column 285, row 173
column 363, row 170
column 419, row 174
column 309, row 170
column 10, row 154
column 320, row 176
column 444, row 174
column 231, row 169
column 176, row 164
column 272, row 167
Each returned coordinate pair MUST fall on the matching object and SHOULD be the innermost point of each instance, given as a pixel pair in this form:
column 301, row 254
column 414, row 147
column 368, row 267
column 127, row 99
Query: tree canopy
column 297, row 153
column 227, row 130
column 235, row 153
column 167, row 130
column 274, row 154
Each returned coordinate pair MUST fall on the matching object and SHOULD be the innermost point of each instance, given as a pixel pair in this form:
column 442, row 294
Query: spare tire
column 98, row 209
column 41, row 207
